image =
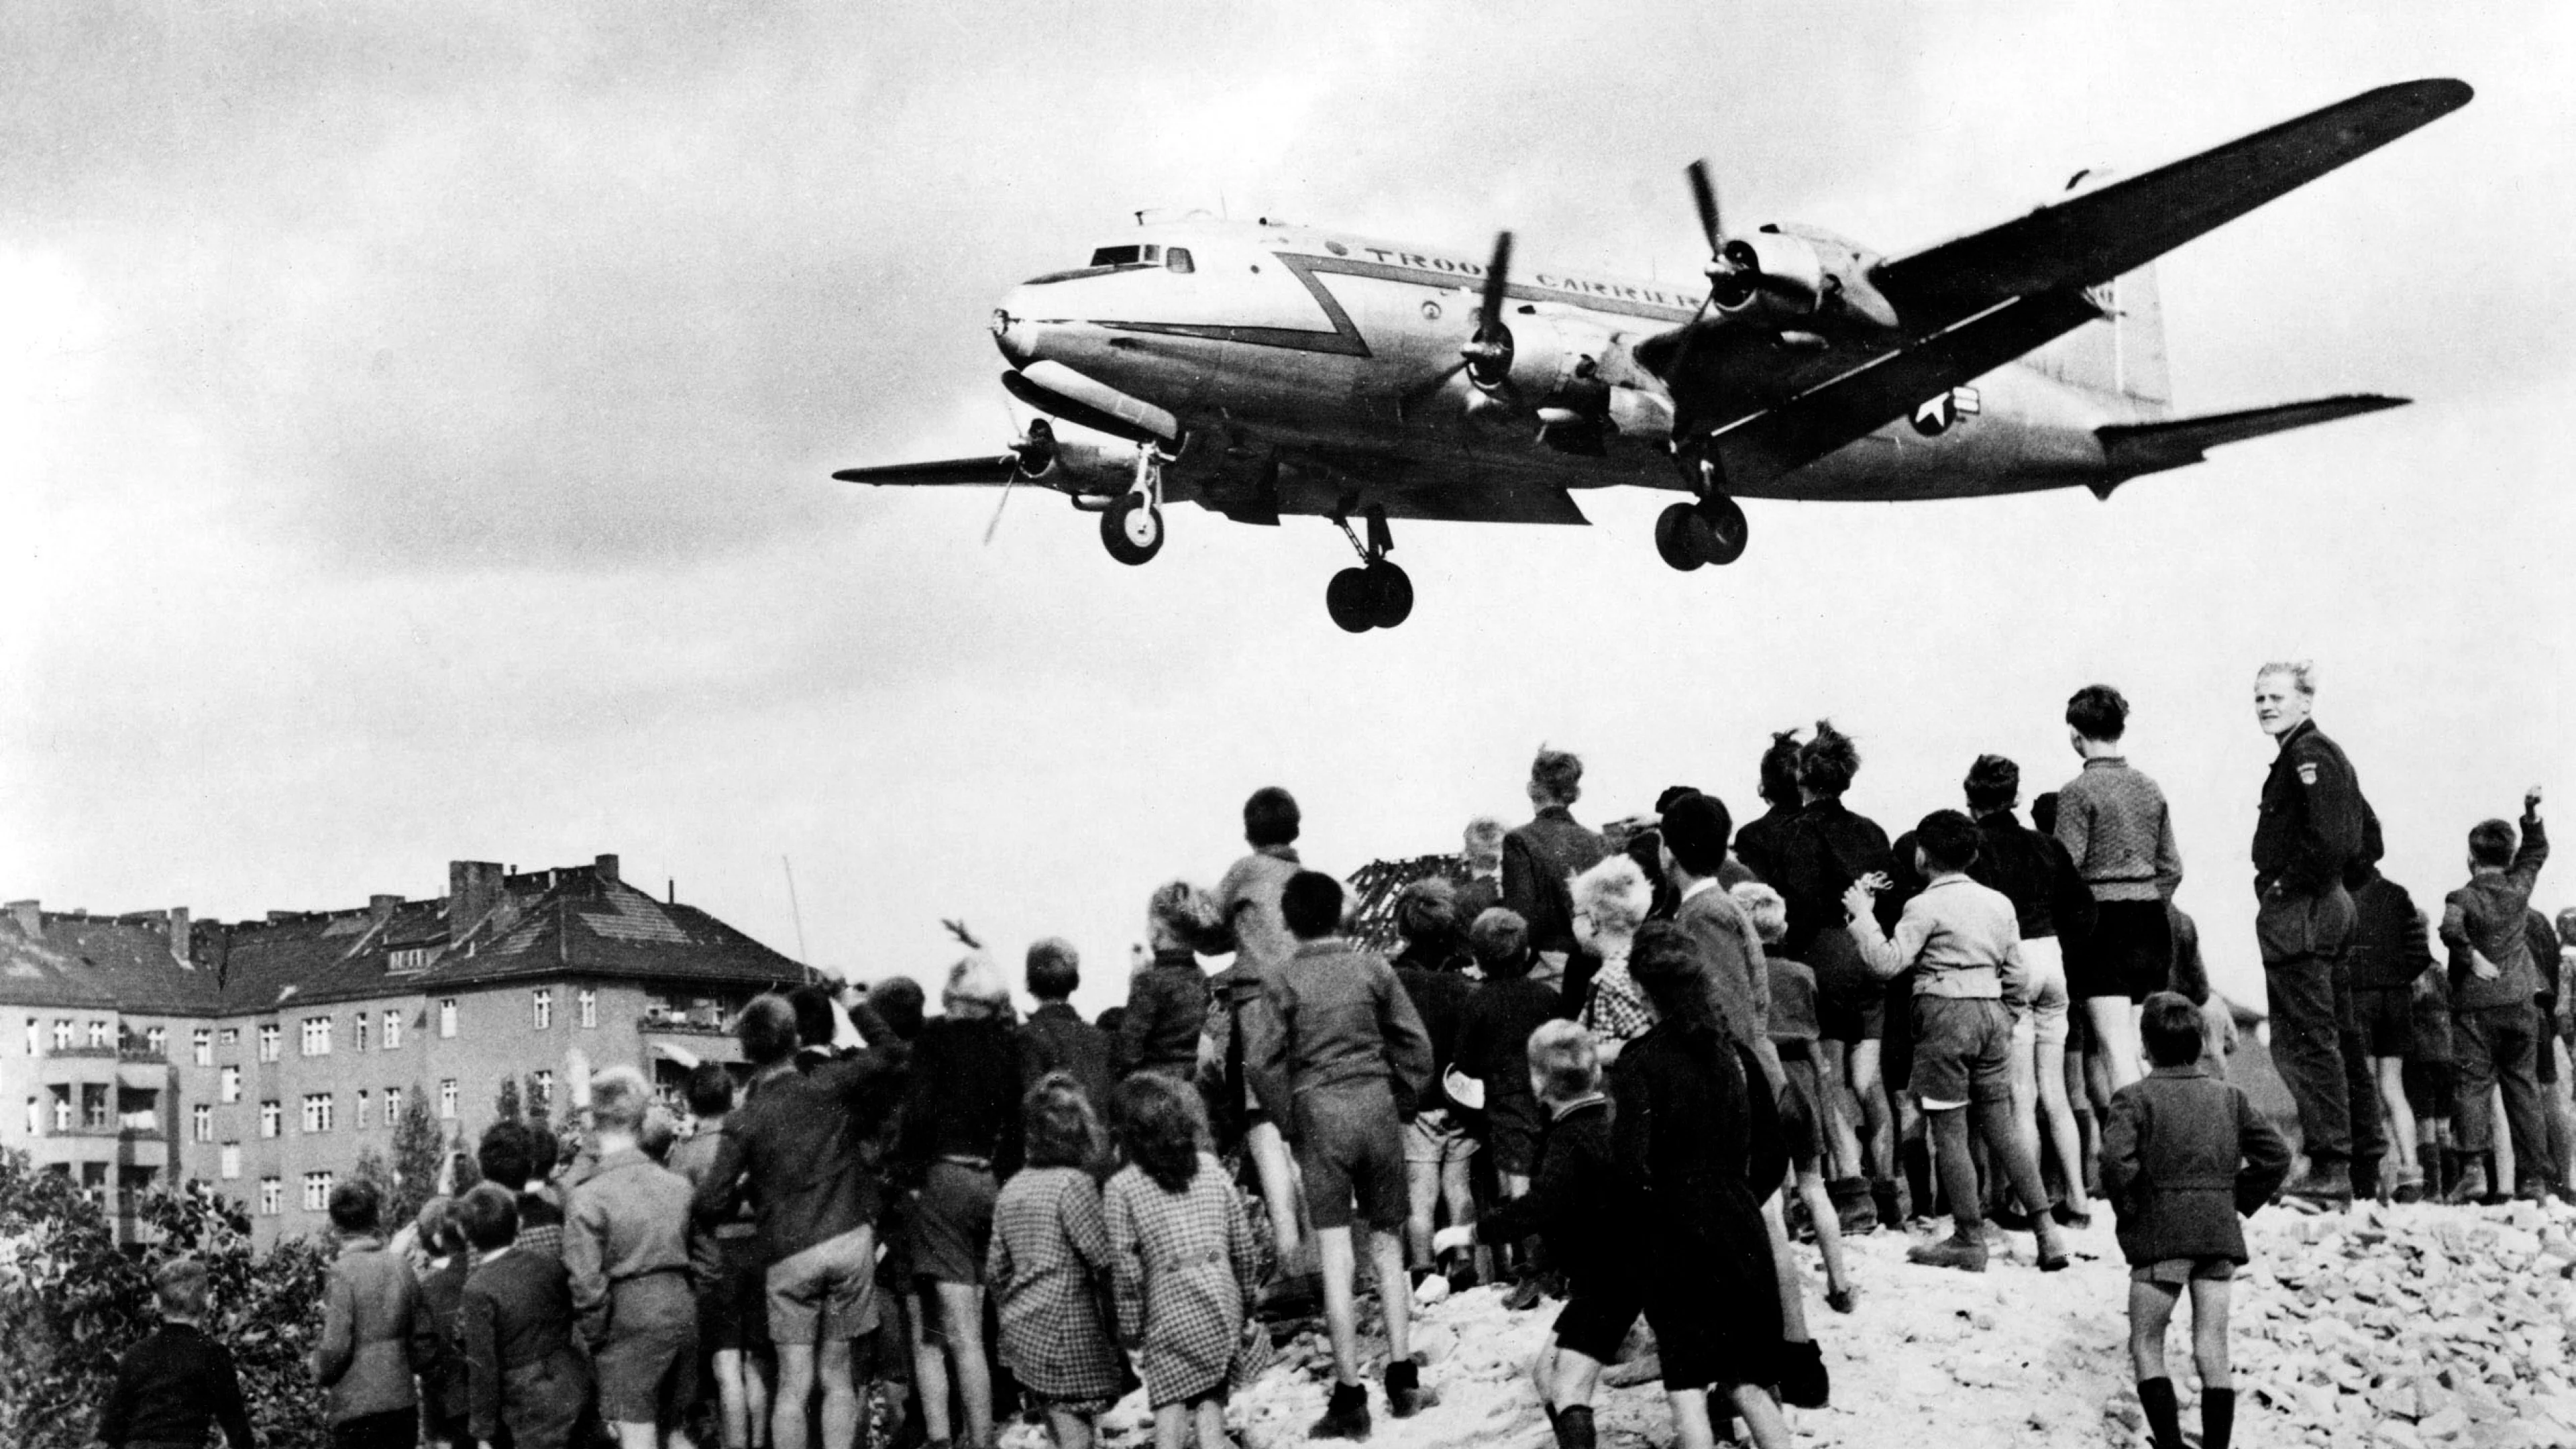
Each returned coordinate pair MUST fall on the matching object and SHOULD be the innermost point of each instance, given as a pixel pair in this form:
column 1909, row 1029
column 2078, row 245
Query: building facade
column 265, row 1057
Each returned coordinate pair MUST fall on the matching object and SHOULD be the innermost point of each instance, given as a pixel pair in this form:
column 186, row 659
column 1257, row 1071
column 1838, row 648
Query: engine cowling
column 1553, row 362
column 1776, row 276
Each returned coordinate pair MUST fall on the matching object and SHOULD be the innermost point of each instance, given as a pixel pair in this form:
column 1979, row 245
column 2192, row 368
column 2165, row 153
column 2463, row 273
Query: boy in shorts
column 626, row 1259
column 2183, row 1156
column 1334, row 1037
column 1963, row 943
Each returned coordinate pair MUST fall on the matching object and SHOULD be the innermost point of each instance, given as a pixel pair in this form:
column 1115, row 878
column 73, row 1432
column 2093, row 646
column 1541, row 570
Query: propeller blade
column 1497, row 277
column 1704, row 194
column 995, row 526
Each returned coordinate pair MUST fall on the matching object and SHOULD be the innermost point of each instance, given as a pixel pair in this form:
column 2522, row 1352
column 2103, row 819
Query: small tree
column 541, row 1103
column 506, row 1106
column 420, row 1149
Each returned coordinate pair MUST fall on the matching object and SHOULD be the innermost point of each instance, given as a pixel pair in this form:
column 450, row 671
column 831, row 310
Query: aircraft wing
column 1776, row 440
column 990, row 472
column 2092, row 237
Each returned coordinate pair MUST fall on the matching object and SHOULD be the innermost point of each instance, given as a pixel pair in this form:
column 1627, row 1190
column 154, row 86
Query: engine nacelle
column 1777, row 276
column 1554, row 363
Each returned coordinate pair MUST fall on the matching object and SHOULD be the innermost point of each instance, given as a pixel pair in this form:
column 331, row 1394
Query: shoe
column 2068, row 1215
column 2329, row 1186
column 2532, row 1192
column 2409, row 1186
column 1853, row 1206
column 1966, row 1255
column 1463, row 1278
column 2052, row 1249
column 1574, row 1427
column 1804, row 1384
column 1346, row 1414
column 1405, row 1395
column 2009, row 1219
column 2366, row 1182
column 1842, row 1300
column 1524, row 1295
column 2472, row 1183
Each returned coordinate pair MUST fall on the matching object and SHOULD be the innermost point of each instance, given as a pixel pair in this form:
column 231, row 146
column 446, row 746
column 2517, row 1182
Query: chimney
column 31, row 919
column 606, row 869
column 182, row 950
column 380, row 909
column 473, row 889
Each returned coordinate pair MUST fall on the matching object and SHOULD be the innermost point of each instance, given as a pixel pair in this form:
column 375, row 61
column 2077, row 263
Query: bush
column 71, row 1301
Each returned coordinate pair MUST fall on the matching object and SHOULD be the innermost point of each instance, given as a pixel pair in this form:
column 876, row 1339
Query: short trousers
column 1434, row 1139
column 733, row 1312
column 1851, row 1002
column 1851, row 1021
column 2385, row 1017
column 826, row 1292
column 647, row 1366
column 1802, row 1098
column 2430, row 1087
column 2175, row 1272
column 1350, row 1149
column 1596, row 1320
column 1512, row 1130
column 2045, row 1023
column 952, row 1222
column 2130, row 952
column 1962, row 1051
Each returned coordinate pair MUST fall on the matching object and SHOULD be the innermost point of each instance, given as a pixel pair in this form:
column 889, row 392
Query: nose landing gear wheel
column 1682, row 537
column 1727, row 530
column 1132, row 529
column 1351, row 598
column 1390, row 594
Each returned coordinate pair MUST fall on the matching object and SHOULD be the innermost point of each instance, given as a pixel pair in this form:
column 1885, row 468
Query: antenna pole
column 792, row 910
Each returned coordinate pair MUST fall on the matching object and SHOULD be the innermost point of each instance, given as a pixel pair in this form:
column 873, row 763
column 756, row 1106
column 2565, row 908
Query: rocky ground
column 2413, row 1327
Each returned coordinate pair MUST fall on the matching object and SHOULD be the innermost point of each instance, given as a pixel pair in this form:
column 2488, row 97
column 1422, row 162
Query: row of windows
column 316, row 1030
column 272, row 1194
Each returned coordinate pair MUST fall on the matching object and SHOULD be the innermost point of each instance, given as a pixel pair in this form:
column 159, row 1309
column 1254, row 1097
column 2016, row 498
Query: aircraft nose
column 1013, row 332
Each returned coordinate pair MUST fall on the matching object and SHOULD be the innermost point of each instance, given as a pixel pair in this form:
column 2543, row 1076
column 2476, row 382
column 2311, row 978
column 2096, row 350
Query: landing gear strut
column 1376, row 594
column 1710, row 531
column 1132, row 528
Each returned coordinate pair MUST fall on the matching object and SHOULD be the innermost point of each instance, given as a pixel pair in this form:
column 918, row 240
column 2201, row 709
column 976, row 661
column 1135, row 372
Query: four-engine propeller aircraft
column 1267, row 369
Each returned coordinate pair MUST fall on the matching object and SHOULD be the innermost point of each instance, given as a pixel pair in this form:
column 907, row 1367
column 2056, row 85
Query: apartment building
column 265, row 1056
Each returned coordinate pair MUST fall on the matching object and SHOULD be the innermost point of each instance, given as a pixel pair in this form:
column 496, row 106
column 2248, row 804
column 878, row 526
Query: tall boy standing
column 364, row 1359
column 2495, row 1027
column 626, row 1253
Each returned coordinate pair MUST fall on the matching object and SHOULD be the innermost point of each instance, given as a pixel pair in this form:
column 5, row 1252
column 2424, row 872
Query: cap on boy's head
column 766, row 1029
column 1311, row 905
column 1993, row 783
column 1564, row 1060
column 354, row 1207
column 618, row 1097
column 490, row 1217
column 900, row 1001
column 1055, row 969
column 710, row 1090
column 1270, row 817
column 1500, row 939
column 503, row 1156
column 1695, row 830
column 2098, row 712
column 816, row 1015
column 180, row 1288
column 2492, row 842
column 2169, row 1027
column 1558, row 775
column 1764, row 907
column 1947, row 839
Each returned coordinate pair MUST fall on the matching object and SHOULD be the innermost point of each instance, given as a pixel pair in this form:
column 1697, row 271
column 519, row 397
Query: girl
column 1049, row 1260
column 1181, row 1258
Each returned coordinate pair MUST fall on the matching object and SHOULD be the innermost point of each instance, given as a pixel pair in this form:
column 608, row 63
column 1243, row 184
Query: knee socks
column 2217, row 1417
column 2164, row 1414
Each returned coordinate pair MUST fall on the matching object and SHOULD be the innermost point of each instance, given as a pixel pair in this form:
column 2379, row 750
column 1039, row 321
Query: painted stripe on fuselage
column 1344, row 340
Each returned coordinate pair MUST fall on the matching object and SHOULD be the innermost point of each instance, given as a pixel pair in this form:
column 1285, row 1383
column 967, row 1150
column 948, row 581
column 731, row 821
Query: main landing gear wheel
column 1374, row 596
column 1132, row 529
column 1712, row 531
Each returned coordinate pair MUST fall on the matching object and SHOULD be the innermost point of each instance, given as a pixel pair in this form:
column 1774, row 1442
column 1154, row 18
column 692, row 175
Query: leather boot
column 2217, row 1417
column 2164, row 1413
column 1574, row 1427
column 1346, row 1414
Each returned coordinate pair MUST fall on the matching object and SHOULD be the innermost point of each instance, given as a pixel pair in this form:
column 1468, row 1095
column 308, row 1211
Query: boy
column 1334, row 1038
column 626, row 1262
column 2183, row 1155
column 177, row 1381
column 1576, row 1204
column 363, row 1362
column 1055, row 1038
column 1493, row 1047
column 733, row 1314
column 2495, row 1027
column 1963, row 943
column 523, row 1377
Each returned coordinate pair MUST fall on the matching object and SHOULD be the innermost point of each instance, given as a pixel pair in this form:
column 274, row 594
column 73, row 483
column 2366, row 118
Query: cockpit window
column 1178, row 259
column 1137, row 256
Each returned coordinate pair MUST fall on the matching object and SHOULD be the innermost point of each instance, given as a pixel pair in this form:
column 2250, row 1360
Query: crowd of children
column 1623, row 1068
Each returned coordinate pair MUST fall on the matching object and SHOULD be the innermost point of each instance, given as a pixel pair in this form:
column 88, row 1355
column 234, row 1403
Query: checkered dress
column 1183, row 1263
column 1047, row 1264
column 1617, row 1010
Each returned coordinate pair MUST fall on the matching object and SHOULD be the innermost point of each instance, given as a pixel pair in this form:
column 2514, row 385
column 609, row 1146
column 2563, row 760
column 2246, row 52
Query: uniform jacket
column 2390, row 946
column 364, row 1358
column 2312, row 824
column 2183, row 1156
column 1056, row 1039
column 1167, row 1008
column 1335, row 1017
column 2486, row 916
column 1540, row 860
column 799, row 1142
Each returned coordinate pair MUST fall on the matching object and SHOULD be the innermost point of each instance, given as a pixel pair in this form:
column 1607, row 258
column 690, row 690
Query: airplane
column 1265, row 369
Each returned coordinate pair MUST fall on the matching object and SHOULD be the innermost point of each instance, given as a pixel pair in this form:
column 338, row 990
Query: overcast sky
column 416, row 427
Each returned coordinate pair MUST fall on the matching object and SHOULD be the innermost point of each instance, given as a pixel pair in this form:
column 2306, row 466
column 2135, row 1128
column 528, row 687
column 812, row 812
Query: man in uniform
column 2312, row 827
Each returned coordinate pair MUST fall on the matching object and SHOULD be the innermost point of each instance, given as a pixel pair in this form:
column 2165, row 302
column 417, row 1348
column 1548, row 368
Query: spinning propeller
column 1033, row 452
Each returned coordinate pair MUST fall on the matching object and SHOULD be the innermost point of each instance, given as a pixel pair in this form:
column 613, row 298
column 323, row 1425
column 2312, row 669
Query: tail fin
column 2123, row 355
column 2134, row 448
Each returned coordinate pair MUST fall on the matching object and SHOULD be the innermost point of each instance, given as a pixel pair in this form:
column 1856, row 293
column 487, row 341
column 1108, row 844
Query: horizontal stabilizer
column 946, row 473
column 2135, row 448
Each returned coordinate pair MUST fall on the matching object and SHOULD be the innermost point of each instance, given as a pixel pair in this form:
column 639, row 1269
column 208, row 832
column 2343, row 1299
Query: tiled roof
column 99, row 962
column 591, row 928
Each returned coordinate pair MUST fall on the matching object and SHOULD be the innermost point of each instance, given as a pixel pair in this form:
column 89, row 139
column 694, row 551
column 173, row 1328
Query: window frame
column 541, row 1009
column 272, row 1197
column 390, row 1039
column 318, row 1106
column 447, row 1099
column 449, row 1010
column 201, row 1046
column 586, row 1007
column 228, row 1162
column 228, row 1083
column 201, row 1122
column 272, row 1119
column 272, row 1041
